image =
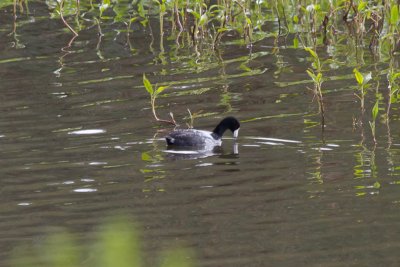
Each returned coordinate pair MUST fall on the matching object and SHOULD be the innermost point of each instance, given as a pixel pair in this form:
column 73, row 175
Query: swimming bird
column 201, row 138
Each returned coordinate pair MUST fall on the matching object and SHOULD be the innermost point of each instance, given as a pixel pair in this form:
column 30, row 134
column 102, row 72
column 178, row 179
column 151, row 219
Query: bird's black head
column 230, row 123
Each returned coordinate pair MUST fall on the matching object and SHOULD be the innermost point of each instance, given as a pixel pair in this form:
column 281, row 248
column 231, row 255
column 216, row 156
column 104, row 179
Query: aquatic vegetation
column 208, row 22
column 317, row 78
column 60, row 10
column 153, row 96
column 191, row 118
column 375, row 111
column 203, row 21
column 154, row 93
column 116, row 243
column 201, row 28
column 362, row 80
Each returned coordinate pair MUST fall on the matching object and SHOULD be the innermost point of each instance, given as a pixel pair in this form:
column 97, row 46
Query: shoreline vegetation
column 329, row 30
column 372, row 24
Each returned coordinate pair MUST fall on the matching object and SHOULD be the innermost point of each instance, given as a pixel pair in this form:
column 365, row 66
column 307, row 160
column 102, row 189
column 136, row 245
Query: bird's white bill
column 236, row 133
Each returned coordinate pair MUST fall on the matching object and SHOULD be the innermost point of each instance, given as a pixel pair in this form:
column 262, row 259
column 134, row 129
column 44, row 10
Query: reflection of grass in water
column 207, row 24
column 117, row 244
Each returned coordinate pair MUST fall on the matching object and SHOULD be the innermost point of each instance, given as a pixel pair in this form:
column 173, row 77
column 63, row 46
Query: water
column 78, row 143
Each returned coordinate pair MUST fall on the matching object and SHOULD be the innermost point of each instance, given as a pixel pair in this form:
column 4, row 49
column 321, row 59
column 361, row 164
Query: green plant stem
column 153, row 109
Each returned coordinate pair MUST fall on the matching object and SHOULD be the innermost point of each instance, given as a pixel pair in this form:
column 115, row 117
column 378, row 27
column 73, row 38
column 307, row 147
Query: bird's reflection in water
column 179, row 153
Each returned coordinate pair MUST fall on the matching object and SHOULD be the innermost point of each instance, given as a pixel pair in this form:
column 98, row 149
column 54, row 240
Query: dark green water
column 78, row 143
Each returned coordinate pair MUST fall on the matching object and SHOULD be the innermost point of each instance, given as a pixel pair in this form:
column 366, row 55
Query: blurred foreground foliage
column 116, row 244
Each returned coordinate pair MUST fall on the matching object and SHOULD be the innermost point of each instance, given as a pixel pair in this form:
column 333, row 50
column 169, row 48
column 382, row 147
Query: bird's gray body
column 193, row 138
column 203, row 139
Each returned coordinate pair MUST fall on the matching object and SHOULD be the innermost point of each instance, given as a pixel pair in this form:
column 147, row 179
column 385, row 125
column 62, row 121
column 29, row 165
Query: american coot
column 200, row 138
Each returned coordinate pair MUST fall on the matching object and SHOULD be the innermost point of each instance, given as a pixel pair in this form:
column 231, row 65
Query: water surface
column 78, row 143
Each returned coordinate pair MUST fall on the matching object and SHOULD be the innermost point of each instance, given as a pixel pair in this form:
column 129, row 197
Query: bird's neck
column 218, row 132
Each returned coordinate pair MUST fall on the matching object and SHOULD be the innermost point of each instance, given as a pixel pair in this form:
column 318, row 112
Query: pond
column 78, row 143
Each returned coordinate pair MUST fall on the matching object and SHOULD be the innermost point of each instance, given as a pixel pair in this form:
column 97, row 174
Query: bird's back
column 191, row 137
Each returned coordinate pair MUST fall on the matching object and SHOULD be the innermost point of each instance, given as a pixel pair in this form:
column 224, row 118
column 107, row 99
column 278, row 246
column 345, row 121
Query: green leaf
column 147, row 85
column 296, row 19
column 359, row 76
column 312, row 75
column 319, row 77
column 162, row 8
column 160, row 89
column 248, row 20
column 325, row 5
column 375, row 110
column 120, row 11
column 102, row 8
column 394, row 15
column 296, row 42
column 203, row 19
column 142, row 12
column 312, row 52
column 104, row 5
column 396, row 75
column 394, row 98
column 244, row 67
column 214, row 7
column 194, row 13
column 146, row 156
column 361, row 6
